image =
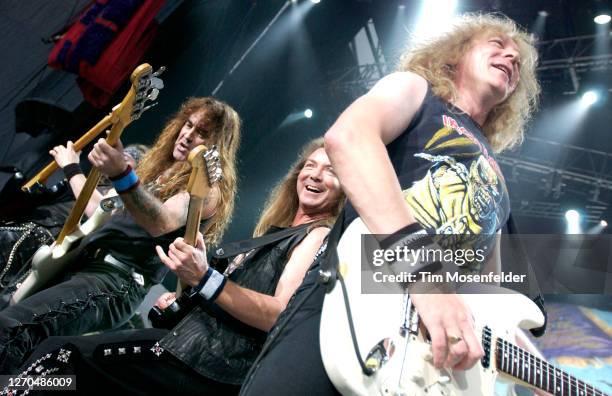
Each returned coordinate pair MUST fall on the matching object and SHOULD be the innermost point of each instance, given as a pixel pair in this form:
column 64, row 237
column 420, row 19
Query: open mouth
column 313, row 189
column 505, row 70
column 182, row 147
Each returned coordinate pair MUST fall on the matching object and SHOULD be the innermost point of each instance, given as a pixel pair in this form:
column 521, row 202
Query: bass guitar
column 48, row 261
column 205, row 172
column 396, row 356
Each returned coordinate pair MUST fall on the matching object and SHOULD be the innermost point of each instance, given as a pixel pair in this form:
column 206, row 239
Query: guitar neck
column 74, row 218
column 84, row 140
column 520, row 364
column 194, row 215
column 198, row 187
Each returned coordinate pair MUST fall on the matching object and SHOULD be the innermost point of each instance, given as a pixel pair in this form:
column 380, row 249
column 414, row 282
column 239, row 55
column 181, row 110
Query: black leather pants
column 128, row 362
column 93, row 299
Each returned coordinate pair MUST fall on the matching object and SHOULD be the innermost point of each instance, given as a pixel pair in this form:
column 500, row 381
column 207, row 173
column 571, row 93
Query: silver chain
column 27, row 229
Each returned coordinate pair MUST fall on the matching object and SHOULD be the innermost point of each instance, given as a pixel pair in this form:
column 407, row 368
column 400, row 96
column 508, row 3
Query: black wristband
column 122, row 174
column 72, row 170
column 412, row 235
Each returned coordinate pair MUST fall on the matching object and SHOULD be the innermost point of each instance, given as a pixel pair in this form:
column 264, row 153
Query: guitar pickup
column 111, row 203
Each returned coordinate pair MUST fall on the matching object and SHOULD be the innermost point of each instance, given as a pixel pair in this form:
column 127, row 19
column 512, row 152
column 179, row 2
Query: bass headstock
column 146, row 85
column 141, row 97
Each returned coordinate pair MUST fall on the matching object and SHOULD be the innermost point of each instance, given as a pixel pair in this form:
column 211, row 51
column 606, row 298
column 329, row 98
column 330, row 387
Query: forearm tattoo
column 144, row 203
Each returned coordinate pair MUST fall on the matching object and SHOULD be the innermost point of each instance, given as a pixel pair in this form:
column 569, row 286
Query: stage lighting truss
column 559, row 167
column 574, row 164
column 567, row 58
column 590, row 214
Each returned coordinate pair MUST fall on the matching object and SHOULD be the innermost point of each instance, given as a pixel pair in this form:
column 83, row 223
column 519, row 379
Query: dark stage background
column 309, row 58
column 312, row 56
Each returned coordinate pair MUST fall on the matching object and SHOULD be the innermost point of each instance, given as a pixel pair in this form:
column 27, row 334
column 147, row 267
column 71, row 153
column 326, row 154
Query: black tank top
column 449, row 175
column 132, row 245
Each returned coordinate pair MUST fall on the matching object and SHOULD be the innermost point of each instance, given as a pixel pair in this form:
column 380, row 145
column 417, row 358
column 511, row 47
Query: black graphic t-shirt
column 449, row 176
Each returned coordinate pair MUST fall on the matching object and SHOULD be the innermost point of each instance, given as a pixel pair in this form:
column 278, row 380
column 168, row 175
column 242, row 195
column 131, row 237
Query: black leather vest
column 217, row 345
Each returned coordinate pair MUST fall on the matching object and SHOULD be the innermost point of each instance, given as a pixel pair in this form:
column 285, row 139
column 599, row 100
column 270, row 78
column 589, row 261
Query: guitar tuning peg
column 156, row 83
column 159, row 71
column 148, row 107
column 153, row 95
column 213, row 150
column 211, row 156
column 215, row 175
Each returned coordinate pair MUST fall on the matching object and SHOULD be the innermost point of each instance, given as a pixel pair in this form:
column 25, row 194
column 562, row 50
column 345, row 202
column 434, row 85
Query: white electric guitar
column 398, row 356
column 49, row 261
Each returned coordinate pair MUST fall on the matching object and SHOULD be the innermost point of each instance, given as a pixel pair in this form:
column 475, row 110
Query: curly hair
column 282, row 204
column 222, row 126
column 436, row 58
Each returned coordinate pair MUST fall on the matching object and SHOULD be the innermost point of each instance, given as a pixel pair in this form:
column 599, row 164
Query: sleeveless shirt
column 449, row 176
column 215, row 344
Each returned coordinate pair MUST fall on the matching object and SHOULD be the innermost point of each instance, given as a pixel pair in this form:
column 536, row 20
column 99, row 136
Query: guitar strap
column 235, row 248
column 525, row 267
column 328, row 272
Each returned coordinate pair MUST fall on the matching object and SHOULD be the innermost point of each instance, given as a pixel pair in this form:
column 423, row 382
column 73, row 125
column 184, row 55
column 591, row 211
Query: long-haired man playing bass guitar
column 110, row 278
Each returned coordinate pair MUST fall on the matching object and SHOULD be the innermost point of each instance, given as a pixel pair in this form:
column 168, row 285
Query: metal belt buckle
column 108, row 258
column 138, row 278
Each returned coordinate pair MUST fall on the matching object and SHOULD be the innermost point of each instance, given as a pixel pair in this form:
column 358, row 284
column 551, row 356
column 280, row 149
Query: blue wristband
column 126, row 182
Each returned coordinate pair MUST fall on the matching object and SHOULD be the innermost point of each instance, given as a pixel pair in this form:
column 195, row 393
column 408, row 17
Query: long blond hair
column 223, row 124
column 435, row 59
column 282, row 204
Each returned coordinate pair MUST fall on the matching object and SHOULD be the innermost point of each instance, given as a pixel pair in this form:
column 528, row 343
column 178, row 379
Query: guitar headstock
column 206, row 170
column 145, row 89
column 146, row 85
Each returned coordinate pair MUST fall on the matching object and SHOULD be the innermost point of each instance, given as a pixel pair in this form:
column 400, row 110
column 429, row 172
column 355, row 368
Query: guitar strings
column 546, row 367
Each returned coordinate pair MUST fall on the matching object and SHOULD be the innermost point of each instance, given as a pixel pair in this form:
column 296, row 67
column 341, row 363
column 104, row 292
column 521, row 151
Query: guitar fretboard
column 527, row 367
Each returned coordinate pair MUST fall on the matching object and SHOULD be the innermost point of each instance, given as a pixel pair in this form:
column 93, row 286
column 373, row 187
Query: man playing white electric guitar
column 415, row 154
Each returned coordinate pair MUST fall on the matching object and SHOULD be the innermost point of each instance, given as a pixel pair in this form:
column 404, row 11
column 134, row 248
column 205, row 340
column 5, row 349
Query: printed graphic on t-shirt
column 460, row 195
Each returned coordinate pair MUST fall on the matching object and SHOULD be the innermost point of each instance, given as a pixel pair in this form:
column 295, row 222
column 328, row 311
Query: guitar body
column 49, row 261
column 406, row 366
column 171, row 316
